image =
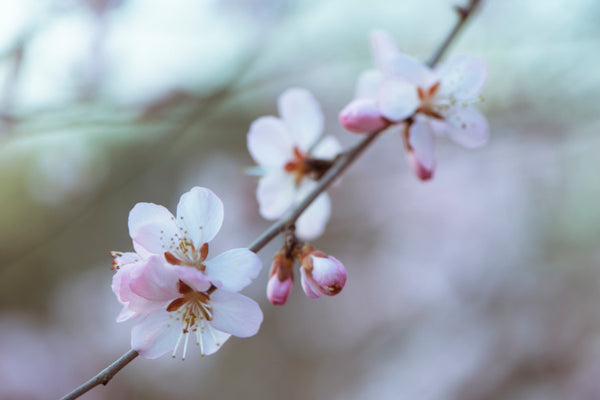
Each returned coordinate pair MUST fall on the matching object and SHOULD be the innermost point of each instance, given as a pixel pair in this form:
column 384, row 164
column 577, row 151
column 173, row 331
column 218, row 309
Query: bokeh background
column 481, row 284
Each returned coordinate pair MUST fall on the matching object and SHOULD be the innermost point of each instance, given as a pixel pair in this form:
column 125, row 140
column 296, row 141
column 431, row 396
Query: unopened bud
column 321, row 273
column 418, row 168
column 362, row 116
column 281, row 278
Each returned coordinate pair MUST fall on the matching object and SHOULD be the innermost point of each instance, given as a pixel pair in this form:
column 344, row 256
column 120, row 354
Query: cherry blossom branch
column 337, row 169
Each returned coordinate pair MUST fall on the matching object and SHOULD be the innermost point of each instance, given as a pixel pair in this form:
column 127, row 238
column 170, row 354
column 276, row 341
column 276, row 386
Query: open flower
column 430, row 101
column 171, row 307
column 291, row 158
column 183, row 241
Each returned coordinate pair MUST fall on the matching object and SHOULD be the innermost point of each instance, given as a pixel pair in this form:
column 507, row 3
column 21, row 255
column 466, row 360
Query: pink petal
column 234, row 269
column 398, row 99
column 421, row 139
column 329, row 273
column 276, row 193
column 417, row 73
column 278, row 292
column 269, row 142
column 155, row 335
column 420, row 171
column 327, row 148
column 313, row 220
column 156, row 281
column 367, row 86
column 311, row 289
column 302, row 115
column 462, row 77
column 234, row 313
column 468, row 127
column 193, row 277
column 200, row 215
column 126, row 314
column 362, row 116
column 384, row 50
column 149, row 224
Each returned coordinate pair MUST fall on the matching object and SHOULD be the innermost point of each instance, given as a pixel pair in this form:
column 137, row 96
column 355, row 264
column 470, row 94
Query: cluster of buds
column 321, row 274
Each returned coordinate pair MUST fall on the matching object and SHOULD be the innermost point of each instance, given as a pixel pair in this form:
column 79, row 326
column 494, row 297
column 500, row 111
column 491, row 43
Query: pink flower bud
column 362, row 116
column 418, row 168
column 281, row 278
column 321, row 274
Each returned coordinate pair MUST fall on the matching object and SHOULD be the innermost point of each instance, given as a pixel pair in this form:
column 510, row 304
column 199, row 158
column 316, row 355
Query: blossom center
column 183, row 252
column 194, row 311
column 429, row 104
column 298, row 166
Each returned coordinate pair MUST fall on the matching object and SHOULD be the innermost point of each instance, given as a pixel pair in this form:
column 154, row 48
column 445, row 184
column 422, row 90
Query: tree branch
column 338, row 167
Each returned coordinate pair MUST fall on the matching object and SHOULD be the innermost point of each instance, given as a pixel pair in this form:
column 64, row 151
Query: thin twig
column 339, row 166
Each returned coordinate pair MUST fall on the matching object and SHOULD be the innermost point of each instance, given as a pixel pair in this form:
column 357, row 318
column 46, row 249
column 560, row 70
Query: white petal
column 462, row 77
column 384, row 50
column 200, row 213
column 327, row 148
column 212, row 339
column 302, row 115
column 398, row 99
column 148, row 224
column 155, row 335
column 234, row 313
column 276, row 193
column 311, row 289
column 422, row 141
column 417, row 73
column 269, row 142
column 234, row 269
column 367, row 86
column 468, row 127
column 313, row 220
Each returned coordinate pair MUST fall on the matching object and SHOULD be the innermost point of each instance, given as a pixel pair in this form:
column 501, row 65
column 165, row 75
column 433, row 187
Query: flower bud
column 418, row 168
column 281, row 278
column 362, row 116
column 321, row 273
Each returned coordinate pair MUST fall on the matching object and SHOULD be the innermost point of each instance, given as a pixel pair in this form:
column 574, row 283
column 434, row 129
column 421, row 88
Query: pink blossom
column 288, row 152
column 172, row 303
column 281, row 278
column 184, row 241
column 429, row 101
column 320, row 273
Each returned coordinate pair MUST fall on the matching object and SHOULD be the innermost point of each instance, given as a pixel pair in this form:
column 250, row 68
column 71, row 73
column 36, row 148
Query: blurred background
column 483, row 283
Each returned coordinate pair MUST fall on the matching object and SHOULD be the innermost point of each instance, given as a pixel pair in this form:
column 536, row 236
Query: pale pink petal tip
column 329, row 274
column 362, row 116
column 420, row 171
column 278, row 292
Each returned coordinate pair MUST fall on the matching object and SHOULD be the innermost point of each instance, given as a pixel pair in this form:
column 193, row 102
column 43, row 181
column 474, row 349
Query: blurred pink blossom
column 289, row 152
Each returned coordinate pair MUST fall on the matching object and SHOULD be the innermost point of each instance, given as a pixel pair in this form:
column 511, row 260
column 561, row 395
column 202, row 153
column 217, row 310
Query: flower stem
column 338, row 167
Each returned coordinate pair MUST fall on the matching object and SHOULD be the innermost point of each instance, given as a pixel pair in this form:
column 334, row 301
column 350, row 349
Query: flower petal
column 422, row 141
column 155, row 281
column 384, row 50
column 212, row 340
column 155, row 335
column 308, row 285
column 276, row 193
column 414, row 71
column 367, row 86
column 362, row 116
column 269, row 142
column 462, row 77
column 193, row 277
column 468, row 127
column 234, row 269
column 200, row 215
column 313, row 220
column 398, row 99
column 327, row 148
column 302, row 115
column 234, row 313
column 148, row 224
